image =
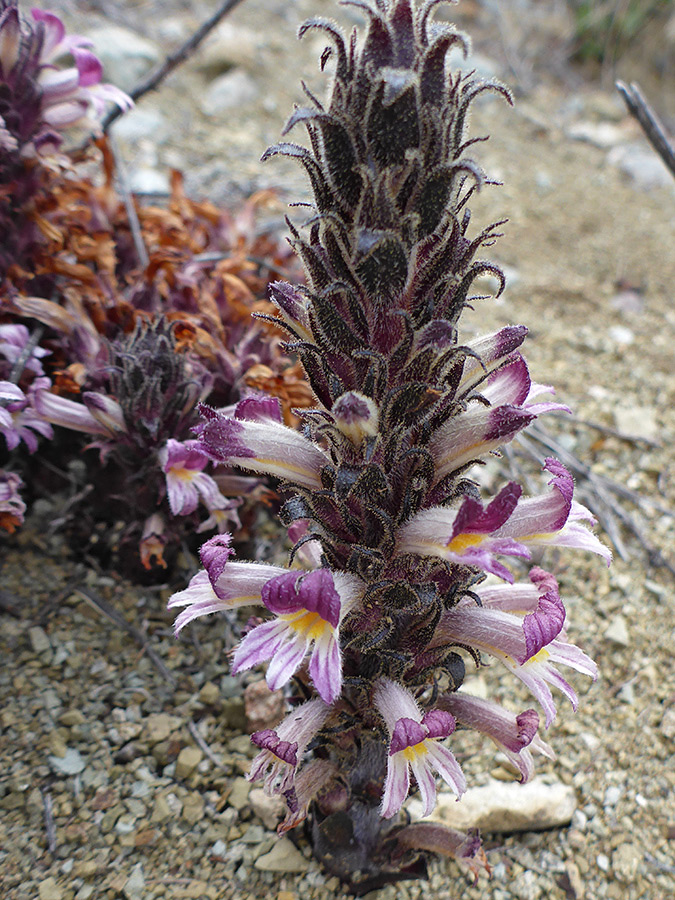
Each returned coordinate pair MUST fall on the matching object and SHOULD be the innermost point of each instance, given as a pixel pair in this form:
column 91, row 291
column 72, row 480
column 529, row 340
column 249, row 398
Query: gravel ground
column 122, row 779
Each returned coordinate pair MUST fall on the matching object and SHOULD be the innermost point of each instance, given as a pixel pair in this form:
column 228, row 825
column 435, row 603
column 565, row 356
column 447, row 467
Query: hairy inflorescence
column 386, row 598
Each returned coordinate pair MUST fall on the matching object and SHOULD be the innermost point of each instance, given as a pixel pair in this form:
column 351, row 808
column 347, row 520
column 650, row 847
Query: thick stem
column 349, row 835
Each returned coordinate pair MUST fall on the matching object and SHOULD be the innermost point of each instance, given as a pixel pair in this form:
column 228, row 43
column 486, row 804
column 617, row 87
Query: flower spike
column 396, row 537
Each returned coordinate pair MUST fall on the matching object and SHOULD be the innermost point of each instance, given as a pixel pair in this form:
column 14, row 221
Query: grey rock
column 626, row 862
column 668, row 723
column 70, row 764
column 269, row 809
column 140, row 789
column 637, row 421
column 49, row 890
column 501, row 807
column 600, row 134
column 617, row 631
column 484, row 67
column 39, row 639
column 149, row 181
column 641, row 164
column 219, row 849
column 238, row 797
column 140, row 123
column 135, row 883
column 283, row 857
column 229, row 45
column 126, row 56
column 627, row 693
column 235, row 88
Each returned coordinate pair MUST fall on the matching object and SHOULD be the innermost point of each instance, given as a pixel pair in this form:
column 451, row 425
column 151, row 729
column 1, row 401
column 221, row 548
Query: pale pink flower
column 415, row 745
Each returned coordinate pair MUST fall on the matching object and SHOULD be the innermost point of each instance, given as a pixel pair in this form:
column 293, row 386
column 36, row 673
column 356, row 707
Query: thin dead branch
column 601, row 494
column 203, row 746
column 129, row 205
column 652, row 126
column 50, row 828
column 173, row 60
column 105, row 609
column 26, row 353
column 612, row 432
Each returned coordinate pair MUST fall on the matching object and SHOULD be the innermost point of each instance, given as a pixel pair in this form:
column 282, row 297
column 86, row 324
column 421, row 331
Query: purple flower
column 222, row 584
column 12, row 507
column 98, row 414
column 527, row 646
column 554, row 518
column 515, row 735
column 488, row 353
column 357, row 416
column 539, row 671
column 466, row 535
column 42, row 99
column 13, row 342
column 282, row 748
column 308, row 609
column 414, row 745
column 19, row 420
column 475, row 535
column 261, row 444
column 186, row 481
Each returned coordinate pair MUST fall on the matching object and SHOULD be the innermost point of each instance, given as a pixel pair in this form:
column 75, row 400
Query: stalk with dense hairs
column 393, row 536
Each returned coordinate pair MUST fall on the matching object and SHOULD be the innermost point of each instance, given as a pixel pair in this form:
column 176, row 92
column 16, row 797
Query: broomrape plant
column 394, row 538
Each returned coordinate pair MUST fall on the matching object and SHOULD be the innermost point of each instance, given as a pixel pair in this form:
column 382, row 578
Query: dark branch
column 651, row 124
column 159, row 73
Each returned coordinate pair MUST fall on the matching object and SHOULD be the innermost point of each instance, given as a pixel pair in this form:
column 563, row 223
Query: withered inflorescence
column 395, row 543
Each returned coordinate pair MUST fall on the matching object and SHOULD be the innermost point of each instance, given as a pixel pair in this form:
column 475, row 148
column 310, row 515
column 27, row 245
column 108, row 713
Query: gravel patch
column 119, row 781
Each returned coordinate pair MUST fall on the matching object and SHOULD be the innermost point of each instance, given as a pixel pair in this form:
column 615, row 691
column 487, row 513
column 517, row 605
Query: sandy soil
column 589, row 254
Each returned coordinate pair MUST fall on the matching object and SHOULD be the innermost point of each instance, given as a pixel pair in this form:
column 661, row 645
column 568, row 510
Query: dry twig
column 651, row 124
column 173, row 60
column 203, row 746
column 601, row 494
column 50, row 828
column 110, row 613
column 129, row 205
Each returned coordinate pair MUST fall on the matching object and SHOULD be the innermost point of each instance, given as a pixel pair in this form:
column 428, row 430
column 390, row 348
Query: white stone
column 641, row 164
column 612, row 795
column 668, row 723
column 235, row 88
column 135, row 884
column 126, row 56
column 70, row 764
column 500, row 807
column 269, row 809
column 283, row 857
column 600, row 134
column 617, row 632
column 637, row 421
column 621, row 335
column 603, row 862
column 149, row 181
column 39, row 639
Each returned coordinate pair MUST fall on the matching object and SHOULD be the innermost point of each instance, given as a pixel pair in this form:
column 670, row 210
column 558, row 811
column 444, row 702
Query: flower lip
column 314, row 591
column 270, row 740
column 473, row 518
